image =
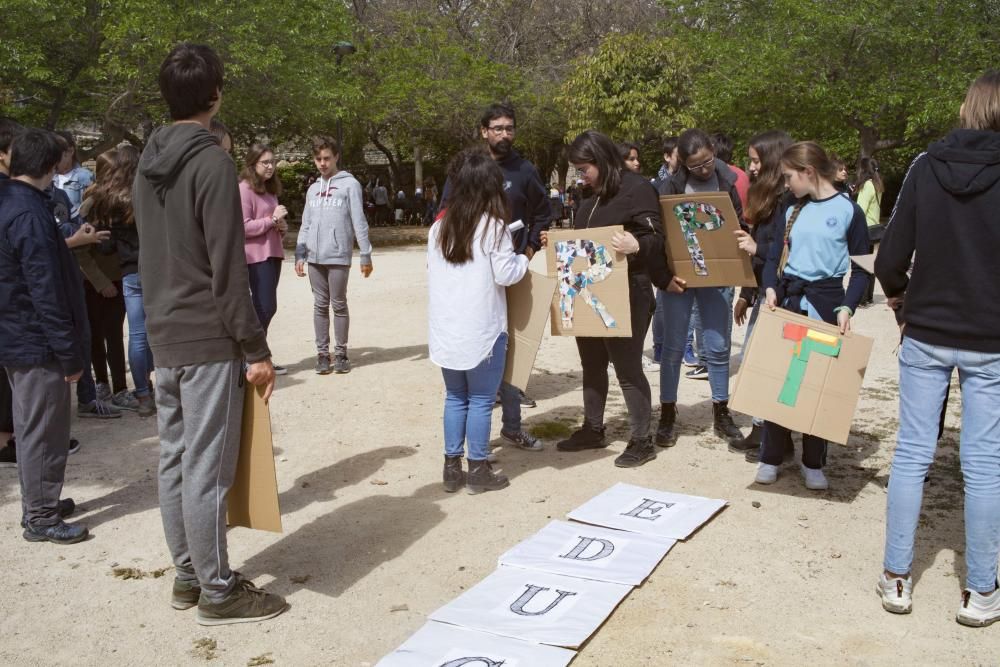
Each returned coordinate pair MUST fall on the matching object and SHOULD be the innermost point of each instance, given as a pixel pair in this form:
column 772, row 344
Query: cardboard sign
column 253, row 498
column 443, row 645
column 803, row 374
column 592, row 295
column 534, row 606
column 648, row 511
column 589, row 552
column 701, row 247
column 528, row 304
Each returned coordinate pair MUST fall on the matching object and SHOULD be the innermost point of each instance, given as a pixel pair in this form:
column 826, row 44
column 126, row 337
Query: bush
column 294, row 176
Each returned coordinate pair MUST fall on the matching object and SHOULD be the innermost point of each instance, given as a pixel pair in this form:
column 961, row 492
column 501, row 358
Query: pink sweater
column 262, row 239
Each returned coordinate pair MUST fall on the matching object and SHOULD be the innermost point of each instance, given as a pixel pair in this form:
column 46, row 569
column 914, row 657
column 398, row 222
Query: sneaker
column 246, row 604
column 125, row 400
column 58, row 533
column 665, row 436
column 649, row 364
column 699, row 372
column 147, row 406
column 979, row 610
column 103, row 391
column 97, row 409
column 815, row 479
column 586, row 437
column 638, row 452
column 522, row 440
column 766, row 474
column 280, row 370
column 74, row 446
column 483, row 478
column 527, row 402
column 323, row 364
column 341, row 364
column 896, row 593
column 690, row 358
column 8, row 455
column 184, row 595
column 65, row 508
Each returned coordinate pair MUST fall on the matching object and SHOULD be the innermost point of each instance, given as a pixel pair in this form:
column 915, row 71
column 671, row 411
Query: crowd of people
column 189, row 252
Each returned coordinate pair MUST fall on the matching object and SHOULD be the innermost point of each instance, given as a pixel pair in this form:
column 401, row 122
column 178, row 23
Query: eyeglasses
column 266, row 163
column 704, row 165
column 501, row 129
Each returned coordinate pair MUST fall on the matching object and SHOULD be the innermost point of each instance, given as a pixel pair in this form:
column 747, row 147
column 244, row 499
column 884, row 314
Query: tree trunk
column 394, row 175
column 418, row 168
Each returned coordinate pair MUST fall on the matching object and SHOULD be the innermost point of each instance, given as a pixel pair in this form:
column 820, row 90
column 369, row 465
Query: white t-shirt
column 468, row 304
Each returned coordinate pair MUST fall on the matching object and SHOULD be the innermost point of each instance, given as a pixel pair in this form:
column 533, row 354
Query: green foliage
column 632, row 86
column 294, row 176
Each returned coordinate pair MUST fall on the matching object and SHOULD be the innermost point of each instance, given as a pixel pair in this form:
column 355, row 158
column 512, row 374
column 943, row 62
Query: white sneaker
column 766, row 473
column 979, row 610
column 649, row 364
column 896, row 593
column 815, row 479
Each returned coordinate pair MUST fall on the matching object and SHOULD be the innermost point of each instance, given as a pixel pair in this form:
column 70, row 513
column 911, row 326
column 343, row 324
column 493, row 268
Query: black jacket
column 126, row 240
column 635, row 207
column 947, row 213
column 528, row 199
column 763, row 235
column 727, row 183
column 42, row 312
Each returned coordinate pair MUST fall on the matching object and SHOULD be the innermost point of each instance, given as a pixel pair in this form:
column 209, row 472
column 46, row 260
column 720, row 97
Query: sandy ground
column 372, row 544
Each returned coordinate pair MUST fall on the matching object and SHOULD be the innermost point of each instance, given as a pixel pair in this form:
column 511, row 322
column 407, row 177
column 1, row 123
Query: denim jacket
column 74, row 183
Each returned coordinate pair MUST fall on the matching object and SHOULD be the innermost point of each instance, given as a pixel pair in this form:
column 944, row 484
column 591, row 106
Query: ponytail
column 786, row 245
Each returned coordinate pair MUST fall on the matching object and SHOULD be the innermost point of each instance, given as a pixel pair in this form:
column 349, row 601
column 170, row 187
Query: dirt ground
column 372, row 544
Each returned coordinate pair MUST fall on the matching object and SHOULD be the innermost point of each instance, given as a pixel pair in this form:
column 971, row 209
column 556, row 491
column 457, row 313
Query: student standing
column 699, row 171
column 42, row 329
column 202, row 328
column 869, row 196
column 470, row 260
column 265, row 222
column 947, row 214
column 618, row 196
column 72, row 177
column 805, row 274
column 333, row 217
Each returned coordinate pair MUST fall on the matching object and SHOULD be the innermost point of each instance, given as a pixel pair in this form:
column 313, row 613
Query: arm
column 538, row 212
column 217, row 202
column 508, row 266
column 360, row 223
column 895, row 252
column 301, row 250
column 37, row 247
column 857, row 244
column 253, row 226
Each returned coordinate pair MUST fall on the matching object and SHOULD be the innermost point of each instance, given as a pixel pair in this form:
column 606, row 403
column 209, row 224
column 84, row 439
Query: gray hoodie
column 334, row 215
column 191, row 259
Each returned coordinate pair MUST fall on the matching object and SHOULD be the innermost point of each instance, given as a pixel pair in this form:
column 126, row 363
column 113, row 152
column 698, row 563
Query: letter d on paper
column 526, row 596
column 576, row 553
column 651, row 506
column 462, row 662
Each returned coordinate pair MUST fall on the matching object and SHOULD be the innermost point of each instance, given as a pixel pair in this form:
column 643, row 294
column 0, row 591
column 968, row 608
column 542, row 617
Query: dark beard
column 502, row 148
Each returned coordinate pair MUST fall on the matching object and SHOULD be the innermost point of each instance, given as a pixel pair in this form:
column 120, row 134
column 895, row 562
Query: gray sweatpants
column 329, row 288
column 41, row 402
column 199, row 414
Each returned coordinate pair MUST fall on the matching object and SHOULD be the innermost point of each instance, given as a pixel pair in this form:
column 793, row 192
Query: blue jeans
column 510, row 407
column 264, row 278
column 714, row 306
column 140, row 357
column 468, row 403
column 694, row 331
column 924, row 374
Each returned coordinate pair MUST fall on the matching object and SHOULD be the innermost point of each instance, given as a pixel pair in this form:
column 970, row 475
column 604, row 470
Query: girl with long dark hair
column 470, row 260
column 616, row 195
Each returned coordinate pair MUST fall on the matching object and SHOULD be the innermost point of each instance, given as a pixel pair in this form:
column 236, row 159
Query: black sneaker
column 246, row 604
column 184, row 595
column 522, row 439
column 527, row 402
column 341, row 364
column 279, row 370
column 74, row 446
column 323, row 364
column 638, row 452
column 66, row 507
column 665, row 435
column 8, row 455
column 586, row 437
column 98, row 409
column 699, row 372
column 752, row 441
column 59, row 533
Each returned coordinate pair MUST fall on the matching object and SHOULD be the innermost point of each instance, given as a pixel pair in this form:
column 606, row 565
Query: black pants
column 107, row 347
column 776, row 439
column 264, row 278
column 626, row 355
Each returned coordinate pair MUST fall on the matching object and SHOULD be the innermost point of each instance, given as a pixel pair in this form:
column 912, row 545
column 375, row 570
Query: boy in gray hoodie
column 334, row 216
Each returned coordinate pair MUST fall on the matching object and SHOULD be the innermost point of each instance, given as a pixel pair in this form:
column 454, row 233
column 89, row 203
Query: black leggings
column 626, row 355
column 107, row 347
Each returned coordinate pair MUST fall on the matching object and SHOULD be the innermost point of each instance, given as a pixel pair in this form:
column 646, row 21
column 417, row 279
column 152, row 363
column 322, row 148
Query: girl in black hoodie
column 946, row 215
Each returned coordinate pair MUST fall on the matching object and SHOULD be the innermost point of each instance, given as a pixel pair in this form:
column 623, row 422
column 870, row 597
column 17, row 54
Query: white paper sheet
column 647, row 511
column 589, row 552
column 443, row 645
column 534, row 606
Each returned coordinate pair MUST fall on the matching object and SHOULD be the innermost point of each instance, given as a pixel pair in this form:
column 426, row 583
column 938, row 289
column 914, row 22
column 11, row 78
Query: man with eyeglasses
column 529, row 205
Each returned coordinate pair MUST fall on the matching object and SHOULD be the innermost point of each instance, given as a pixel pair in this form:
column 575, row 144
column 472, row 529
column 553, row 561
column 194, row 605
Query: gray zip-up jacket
column 334, row 215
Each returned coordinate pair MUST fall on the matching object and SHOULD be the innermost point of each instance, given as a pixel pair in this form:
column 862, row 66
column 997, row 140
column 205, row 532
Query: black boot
column 665, row 436
column 483, row 478
column 724, row 426
column 587, row 437
column 752, row 441
column 454, row 476
column 638, row 452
